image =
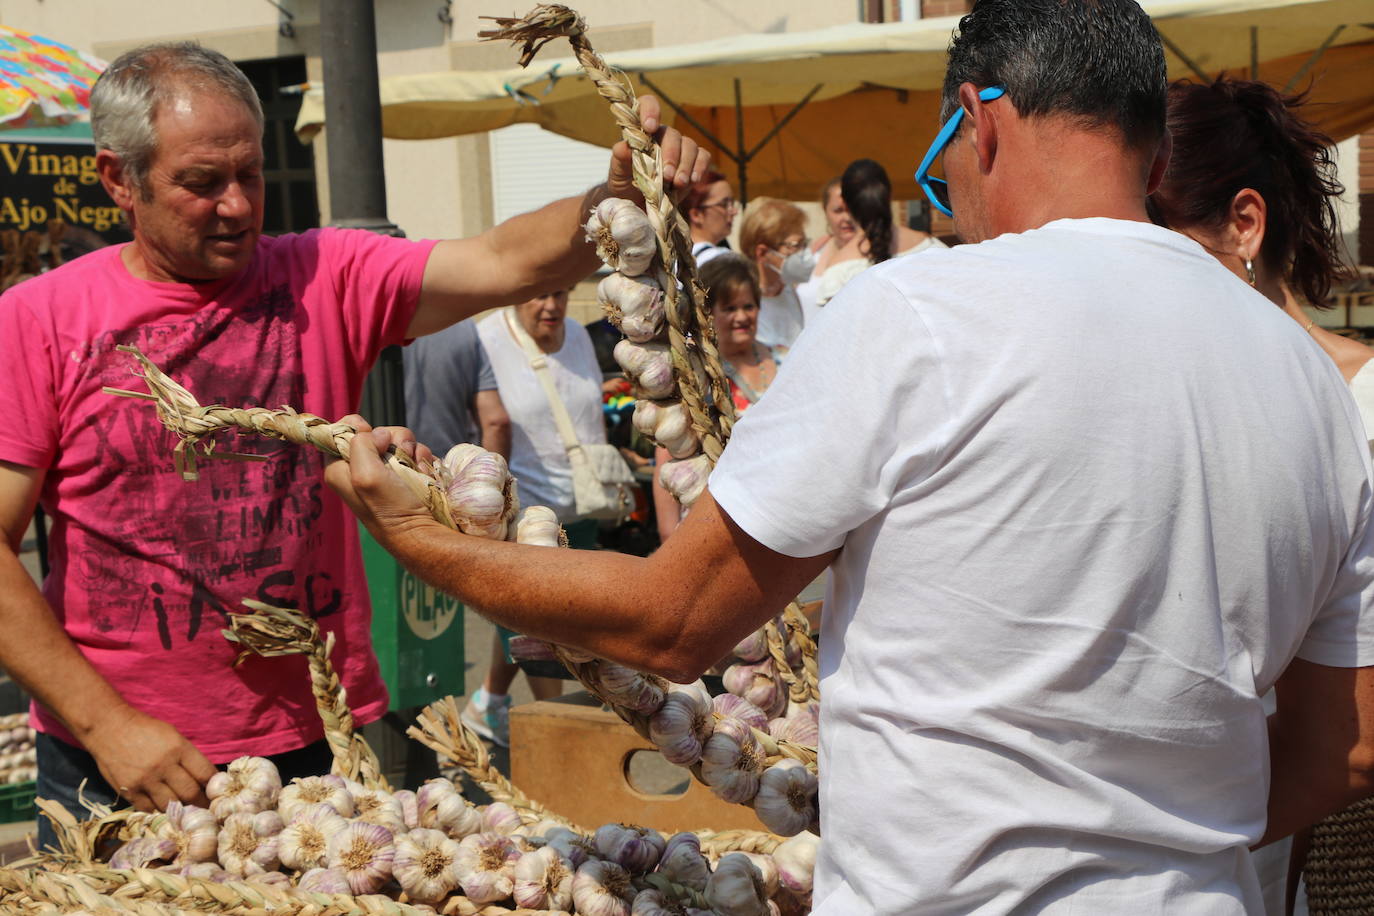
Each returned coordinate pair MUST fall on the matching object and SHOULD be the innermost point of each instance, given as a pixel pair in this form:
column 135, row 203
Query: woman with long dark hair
column 1255, row 185
column 867, row 194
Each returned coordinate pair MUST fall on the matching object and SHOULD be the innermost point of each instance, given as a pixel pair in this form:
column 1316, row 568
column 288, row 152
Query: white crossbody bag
column 602, row 481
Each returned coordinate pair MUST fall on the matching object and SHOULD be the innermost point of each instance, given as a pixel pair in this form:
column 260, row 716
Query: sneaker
column 489, row 717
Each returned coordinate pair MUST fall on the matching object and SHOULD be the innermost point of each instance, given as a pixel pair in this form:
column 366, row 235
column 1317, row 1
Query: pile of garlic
column 635, row 303
column 332, row 835
column 18, row 758
column 755, row 677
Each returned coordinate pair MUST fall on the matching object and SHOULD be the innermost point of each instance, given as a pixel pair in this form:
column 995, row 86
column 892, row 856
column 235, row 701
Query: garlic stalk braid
column 441, row 729
column 806, row 686
column 716, row 843
column 696, row 362
column 272, row 631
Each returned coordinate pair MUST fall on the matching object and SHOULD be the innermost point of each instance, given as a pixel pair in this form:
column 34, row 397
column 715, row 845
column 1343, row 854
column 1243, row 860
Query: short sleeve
column 1342, row 633
column 856, row 413
column 29, row 398
column 377, row 280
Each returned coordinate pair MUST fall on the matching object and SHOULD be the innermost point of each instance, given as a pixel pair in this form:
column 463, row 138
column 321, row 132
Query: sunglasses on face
column 937, row 189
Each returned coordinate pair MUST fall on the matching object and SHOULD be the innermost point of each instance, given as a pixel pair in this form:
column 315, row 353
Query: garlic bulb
column 759, row 683
column 635, row 849
column 731, row 761
column 410, row 811
column 649, row 366
column 304, row 843
column 481, row 492
column 602, row 889
column 682, row 861
column 144, row 852
column 683, row 723
column 325, row 881
column 442, row 807
column 643, row 693
column 669, row 424
column 364, row 852
column 248, row 843
column 269, row 879
column 795, row 858
column 375, row 806
column 685, row 478
column 803, row 725
column 752, row 647
column 527, row 648
column 538, row 525
column 543, row 880
column 736, row 888
column 768, row 871
column 315, row 790
column 729, row 706
column 486, row 866
column 425, row 865
column 247, row 785
column 633, row 304
column 205, row 871
column 623, row 236
column 194, row 831
column 573, row 846
column 499, row 817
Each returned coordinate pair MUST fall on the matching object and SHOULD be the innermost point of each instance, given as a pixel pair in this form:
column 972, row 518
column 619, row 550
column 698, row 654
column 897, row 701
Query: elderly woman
column 774, row 238
column 1254, row 185
column 732, row 295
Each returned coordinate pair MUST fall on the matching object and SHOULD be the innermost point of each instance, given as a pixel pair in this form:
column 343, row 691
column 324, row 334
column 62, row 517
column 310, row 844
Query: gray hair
column 126, row 98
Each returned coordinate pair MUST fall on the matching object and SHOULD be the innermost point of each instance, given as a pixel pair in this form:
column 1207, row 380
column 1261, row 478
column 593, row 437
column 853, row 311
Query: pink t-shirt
column 145, row 566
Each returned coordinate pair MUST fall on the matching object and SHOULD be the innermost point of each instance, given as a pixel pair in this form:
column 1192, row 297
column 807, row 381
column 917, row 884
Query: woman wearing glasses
column 773, row 236
column 867, row 193
column 710, row 208
column 1254, row 184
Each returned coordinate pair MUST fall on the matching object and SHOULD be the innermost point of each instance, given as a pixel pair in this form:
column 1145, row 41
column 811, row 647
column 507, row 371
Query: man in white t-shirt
column 1097, row 497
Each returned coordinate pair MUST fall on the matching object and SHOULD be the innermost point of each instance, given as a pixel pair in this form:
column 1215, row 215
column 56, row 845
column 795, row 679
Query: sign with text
column 41, row 181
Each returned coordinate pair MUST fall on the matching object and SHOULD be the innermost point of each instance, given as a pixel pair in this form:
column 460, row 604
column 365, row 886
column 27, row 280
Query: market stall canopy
column 43, row 83
column 795, row 108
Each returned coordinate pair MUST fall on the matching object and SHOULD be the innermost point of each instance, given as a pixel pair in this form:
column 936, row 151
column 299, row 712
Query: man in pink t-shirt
column 121, row 649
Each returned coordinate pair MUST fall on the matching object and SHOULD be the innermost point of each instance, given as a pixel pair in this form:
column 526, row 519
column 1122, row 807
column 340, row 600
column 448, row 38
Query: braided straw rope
column 1339, row 870
column 273, row 631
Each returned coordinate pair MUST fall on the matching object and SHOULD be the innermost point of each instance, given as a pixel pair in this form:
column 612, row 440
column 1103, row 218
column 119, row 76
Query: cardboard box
column 574, row 756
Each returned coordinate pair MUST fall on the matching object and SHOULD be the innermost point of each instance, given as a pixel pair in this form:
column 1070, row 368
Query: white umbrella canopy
column 790, row 110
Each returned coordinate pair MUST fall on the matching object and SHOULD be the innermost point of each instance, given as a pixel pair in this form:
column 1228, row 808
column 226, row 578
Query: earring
column 1250, row 271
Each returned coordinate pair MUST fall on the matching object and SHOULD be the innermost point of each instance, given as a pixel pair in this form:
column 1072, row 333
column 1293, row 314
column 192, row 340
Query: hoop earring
column 1250, row 271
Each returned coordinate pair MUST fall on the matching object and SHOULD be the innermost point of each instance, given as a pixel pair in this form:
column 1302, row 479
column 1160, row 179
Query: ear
column 981, row 124
column 759, row 251
column 115, row 179
column 1160, row 164
column 1248, row 216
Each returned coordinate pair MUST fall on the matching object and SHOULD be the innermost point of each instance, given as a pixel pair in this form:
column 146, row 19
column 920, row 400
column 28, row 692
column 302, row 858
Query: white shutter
column 532, row 167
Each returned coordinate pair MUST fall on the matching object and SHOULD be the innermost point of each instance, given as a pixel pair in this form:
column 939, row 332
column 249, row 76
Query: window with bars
column 289, row 165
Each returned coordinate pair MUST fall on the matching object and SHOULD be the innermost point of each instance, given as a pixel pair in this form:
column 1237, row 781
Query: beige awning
column 863, row 89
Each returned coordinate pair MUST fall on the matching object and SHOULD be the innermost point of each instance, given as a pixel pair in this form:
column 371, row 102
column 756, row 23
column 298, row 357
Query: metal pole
column 739, row 142
column 1254, row 52
column 357, row 181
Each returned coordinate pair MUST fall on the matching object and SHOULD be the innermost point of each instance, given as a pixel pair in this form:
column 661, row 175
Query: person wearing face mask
column 774, row 238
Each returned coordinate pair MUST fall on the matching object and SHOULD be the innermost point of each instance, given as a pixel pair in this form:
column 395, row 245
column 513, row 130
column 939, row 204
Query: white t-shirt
column 780, row 318
column 538, row 458
column 1093, row 493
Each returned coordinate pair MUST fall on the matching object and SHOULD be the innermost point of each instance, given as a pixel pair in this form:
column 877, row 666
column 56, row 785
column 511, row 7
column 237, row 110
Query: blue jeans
column 62, row 767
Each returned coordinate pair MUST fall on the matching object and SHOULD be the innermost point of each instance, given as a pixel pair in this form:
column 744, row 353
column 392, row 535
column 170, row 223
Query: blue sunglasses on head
column 937, row 189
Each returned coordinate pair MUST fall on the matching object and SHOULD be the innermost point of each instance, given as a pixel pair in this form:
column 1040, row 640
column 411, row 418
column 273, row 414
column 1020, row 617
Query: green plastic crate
column 16, row 802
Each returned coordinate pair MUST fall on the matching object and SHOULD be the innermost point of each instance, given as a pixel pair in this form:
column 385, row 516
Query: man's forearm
column 38, row 654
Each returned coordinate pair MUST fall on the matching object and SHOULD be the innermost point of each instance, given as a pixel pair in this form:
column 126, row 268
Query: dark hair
column 696, row 195
column 1098, row 61
column 1236, row 134
column 726, row 274
column 867, row 192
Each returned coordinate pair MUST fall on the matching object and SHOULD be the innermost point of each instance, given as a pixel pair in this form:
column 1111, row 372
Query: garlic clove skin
column 634, row 305
column 602, row 889
column 193, row 830
column 685, row 478
column 314, row 790
column 425, row 865
column 669, row 424
column 247, row 785
column 683, row 723
column 683, row 863
column 486, row 866
column 144, row 852
column 325, row 881
column 364, row 852
column 205, row 871
column 623, row 236
column 543, row 880
column 736, row 888
column 248, row 843
column 759, row 683
column 795, row 858
column 731, row 761
column 729, row 706
column 649, row 366
column 410, row 812
column 304, row 843
column 527, row 648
